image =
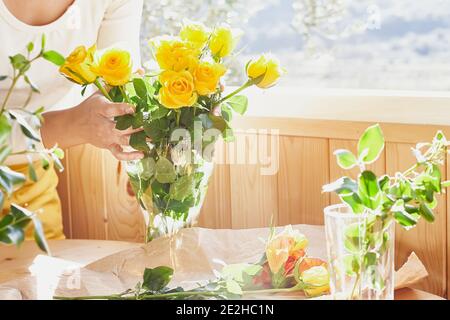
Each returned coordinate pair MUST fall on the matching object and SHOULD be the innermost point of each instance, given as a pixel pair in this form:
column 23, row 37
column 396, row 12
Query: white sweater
column 107, row 23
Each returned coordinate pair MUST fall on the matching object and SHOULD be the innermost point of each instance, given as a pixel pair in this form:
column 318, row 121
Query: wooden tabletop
column 15, row 262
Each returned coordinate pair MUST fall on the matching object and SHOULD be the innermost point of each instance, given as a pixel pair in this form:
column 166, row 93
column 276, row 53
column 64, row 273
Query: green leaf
column 32, row 172
column 124, row 122
column 26, row 128
column 138, row 141
column 5, row 151
column 2, row 78
column 344, row 185
column 351, row 264
column 39, row 235
column 159, row 113
column 54, row 57
column 354, row 237
column 165, row 171
column 404, row 218
column 43, row 42
column 226, row 113
column 10, row 179
column 369, row 190
column 5, row 128
column 140, row 88
column 371, row 144
column 157, row 279
column 426, row 212
column 383, row 182
column 346, row 159
column 30, row 47
column 233, row 287
column 182, row 188
column 20, row 62
column 33, row 87
column 58, row 152
column 148, row 167
column 2, row 198
column 12, row 235
column 239, row 104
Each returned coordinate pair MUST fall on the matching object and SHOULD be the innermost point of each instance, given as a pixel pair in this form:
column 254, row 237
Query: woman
column 69, row 121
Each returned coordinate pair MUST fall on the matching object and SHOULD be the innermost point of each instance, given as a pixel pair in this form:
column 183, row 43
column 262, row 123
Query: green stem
column 124, row 94
column 8, row 94
column 144, row 296
column 248, row 84
column 102, row 89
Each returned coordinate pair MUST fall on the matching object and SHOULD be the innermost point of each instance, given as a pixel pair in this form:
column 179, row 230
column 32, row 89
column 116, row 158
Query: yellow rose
column 77, row 66
column 177, row 89
column 196, row 34
column 114, row 67
column 222, row 42
column 207, row 76
column 267, row 69
column 277, row 252
column 176, row 55
column 317, row 279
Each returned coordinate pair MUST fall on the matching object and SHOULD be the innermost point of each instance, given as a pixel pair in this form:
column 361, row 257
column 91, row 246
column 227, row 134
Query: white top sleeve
column 121, row 26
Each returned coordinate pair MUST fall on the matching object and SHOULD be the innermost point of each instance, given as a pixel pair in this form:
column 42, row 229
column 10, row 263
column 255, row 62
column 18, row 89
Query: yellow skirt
column 42, row 198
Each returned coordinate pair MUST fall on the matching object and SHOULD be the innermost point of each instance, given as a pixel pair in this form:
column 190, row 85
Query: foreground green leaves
column 14, row 224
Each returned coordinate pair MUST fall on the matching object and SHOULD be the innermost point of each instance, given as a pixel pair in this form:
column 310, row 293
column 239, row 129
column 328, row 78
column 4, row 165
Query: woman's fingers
column 130, row 131
column 119, row 154
column 112, row 110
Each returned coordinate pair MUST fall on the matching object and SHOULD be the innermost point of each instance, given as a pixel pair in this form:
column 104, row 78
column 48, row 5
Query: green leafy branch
column 13, row 224
column 404, row 197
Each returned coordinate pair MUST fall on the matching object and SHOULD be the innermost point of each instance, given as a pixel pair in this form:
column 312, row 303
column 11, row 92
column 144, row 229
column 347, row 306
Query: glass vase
column 360, row 251
column 164, row 216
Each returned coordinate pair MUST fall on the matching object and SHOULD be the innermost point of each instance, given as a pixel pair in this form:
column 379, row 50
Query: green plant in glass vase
column 17, row 218
column 361, row 251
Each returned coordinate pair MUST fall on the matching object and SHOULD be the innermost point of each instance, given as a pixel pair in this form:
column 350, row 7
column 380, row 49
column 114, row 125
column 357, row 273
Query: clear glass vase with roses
column 181, row 111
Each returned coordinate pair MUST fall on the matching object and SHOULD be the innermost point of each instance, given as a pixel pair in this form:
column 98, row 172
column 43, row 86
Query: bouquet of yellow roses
column 182, row 109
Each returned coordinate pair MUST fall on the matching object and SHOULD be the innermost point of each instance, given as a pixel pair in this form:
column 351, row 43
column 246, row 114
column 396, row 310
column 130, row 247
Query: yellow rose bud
column 277, row 252
column 223, row 42
column 177, row 89
column 207, row 76
column 196, row 34
column 114, row 67
column 317, row 280
column 77, row 66
column 267, row 69
column 176, row 55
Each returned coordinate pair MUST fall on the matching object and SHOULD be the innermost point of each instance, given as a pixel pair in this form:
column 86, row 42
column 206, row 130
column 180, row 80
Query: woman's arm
column 92, row 121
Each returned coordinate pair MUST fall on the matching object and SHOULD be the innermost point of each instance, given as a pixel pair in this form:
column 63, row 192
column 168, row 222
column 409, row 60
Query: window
column 357, row 44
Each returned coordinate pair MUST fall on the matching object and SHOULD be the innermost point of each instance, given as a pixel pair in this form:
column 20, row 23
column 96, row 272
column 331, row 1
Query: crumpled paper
column 195, row 254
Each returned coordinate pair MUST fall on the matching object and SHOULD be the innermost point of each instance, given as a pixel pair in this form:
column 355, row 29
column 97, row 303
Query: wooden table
column 15, row 263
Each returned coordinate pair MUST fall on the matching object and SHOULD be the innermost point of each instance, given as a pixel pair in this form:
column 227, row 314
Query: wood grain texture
column 125, row 221
column 65, row 196
column 216, row 211
column 345, row 130
column 379, row 167
column 302, row 173
column 87, row 193
column 427, row 240
column 254, row 196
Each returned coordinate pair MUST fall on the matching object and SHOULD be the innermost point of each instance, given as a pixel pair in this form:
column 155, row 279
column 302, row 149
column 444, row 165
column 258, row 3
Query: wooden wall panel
column 426, row 240
column 337, row 172
column 87, row 192
column 65, row 196
column 302, row 173
column 125, row 221
column 216, row 211
column 254, row 196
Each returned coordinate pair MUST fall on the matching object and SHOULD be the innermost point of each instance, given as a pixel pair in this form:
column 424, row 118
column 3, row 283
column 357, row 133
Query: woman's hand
column 90, row 122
